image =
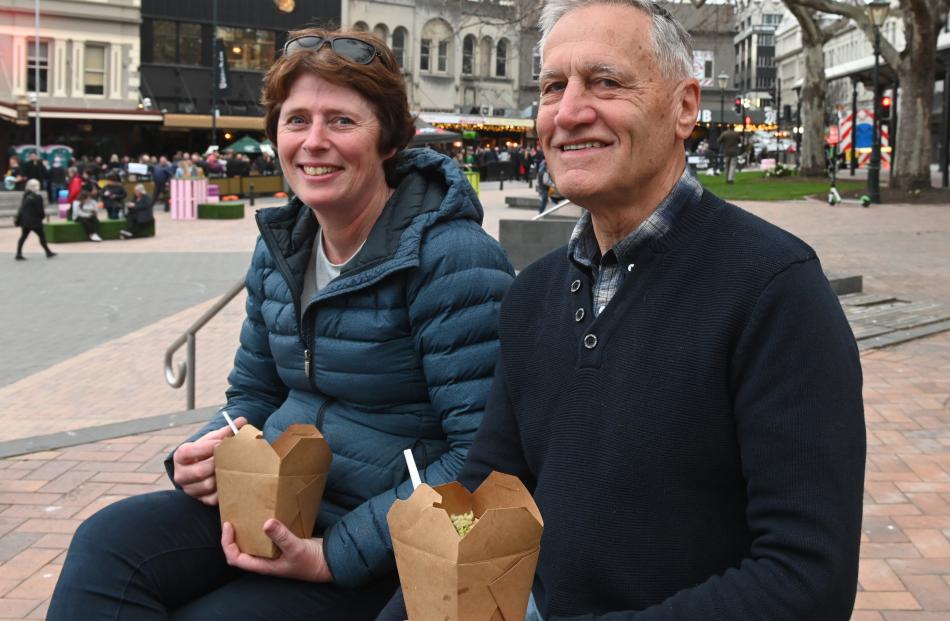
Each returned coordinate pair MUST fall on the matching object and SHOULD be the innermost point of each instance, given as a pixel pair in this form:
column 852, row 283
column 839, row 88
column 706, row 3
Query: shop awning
column 427, row 133
column 203, row 121
column 8, row 111
column 476, row 122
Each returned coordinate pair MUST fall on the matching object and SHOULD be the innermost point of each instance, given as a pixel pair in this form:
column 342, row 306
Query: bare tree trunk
column 917, row 70
column 814, row 92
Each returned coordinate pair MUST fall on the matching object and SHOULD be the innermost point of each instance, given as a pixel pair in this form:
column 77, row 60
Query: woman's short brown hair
column 380, row 83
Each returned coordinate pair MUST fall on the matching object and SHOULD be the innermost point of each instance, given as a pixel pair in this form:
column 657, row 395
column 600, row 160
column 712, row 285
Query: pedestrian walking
column 30, row 219
column 543, row 184
column 729, row 142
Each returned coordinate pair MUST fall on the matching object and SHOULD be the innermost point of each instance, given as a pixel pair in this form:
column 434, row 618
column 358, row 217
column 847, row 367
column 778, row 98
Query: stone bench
column 63, row 232
column 523, row 202
column 223, row 210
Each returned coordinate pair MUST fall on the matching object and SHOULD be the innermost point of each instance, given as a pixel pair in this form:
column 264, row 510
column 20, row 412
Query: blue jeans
column 158, row 556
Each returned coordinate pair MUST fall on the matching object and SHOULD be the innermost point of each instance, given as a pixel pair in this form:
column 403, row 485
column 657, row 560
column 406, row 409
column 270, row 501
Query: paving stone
column 13, row 543
column 40, row 511
column 885, row 600
column 931, row 592
column 38, row 586
column 17, row 608
column 50, row 470
column 882, row 530
column 877, row 575
column 26, row 563
column 38, row 525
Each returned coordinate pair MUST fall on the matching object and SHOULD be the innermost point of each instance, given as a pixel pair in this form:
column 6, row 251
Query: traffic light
column 738, row 106
column 886, row 108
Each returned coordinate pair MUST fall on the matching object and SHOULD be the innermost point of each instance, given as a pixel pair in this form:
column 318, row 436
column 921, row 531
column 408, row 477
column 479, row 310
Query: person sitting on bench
column 84, row 212
column 138, row 213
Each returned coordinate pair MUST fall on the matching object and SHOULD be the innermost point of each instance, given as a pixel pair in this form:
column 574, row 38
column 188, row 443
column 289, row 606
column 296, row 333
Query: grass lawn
column 754, row 185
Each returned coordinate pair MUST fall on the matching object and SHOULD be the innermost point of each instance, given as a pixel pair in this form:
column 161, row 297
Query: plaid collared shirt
column 609, row 270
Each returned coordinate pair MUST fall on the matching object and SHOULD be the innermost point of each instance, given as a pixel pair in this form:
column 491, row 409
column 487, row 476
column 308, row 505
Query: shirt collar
column 584, row 250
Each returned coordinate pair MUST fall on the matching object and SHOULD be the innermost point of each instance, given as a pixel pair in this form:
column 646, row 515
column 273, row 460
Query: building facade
column 84, row 73
column 178, row 38
column 464, row 61
column 756, row 24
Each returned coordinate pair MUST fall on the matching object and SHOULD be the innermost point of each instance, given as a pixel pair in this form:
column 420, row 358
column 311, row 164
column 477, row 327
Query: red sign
column 832, row 137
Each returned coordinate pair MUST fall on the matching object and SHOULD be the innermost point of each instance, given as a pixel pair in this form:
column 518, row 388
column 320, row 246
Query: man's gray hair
column 33, row 185
column 139, row 188
column 672, row 45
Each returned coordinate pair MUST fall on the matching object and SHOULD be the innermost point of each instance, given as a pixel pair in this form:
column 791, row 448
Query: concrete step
column 522, row 202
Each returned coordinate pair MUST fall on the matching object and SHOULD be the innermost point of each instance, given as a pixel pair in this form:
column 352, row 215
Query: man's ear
column 686, row 95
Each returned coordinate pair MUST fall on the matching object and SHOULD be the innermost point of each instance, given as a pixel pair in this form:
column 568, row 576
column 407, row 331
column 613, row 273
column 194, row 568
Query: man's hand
column 194, row 464
column 301, row 559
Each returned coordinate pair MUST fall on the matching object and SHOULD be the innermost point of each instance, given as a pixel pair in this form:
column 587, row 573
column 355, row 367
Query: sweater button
column 575, row 286
column 579, row 314
column 590, row 341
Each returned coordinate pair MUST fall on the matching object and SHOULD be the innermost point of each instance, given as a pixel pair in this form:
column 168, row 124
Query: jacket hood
column 431, row 189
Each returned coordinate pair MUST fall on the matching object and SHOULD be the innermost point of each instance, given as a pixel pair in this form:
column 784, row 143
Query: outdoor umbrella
column 430, row 134
column 244, row 145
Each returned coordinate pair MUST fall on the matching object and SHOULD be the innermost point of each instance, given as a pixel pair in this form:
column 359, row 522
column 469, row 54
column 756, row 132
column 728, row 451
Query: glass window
column 249, row 48
column 94, row 69
column 34, row 59
column 501, row 58
column 708, row 70
column 535, row 63
column 468, row 55
column 399, row 46
column 443, row 56
column 176, row 43
column 164, row 39
column 424, row 47
column 189, row 43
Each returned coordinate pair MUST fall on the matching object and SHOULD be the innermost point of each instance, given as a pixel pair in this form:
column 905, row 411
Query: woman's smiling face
column 328, row 142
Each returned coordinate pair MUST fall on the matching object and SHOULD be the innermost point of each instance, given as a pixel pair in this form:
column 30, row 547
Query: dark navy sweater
column 697, row 450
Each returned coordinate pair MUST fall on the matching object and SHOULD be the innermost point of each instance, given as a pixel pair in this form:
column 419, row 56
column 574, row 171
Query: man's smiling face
column 607, row 117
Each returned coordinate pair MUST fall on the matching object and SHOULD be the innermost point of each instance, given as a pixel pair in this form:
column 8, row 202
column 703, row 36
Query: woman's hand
column 194, row 464
column 301, row 559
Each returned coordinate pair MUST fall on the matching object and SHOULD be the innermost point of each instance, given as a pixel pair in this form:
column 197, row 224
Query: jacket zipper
column 302, row 332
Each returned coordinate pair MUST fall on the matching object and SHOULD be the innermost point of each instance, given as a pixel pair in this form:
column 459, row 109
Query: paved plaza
column 85, row 335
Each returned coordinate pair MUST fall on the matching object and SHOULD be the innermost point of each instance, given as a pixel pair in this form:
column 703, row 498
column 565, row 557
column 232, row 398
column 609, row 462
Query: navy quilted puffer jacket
column 397, row 352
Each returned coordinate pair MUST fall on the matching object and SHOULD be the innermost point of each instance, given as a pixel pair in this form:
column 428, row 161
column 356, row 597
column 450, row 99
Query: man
column 729, row 143
column 161, row 174
column 35, row 168
column 678, row 387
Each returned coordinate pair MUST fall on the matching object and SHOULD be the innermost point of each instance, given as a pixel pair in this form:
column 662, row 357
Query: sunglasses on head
column 355, row 49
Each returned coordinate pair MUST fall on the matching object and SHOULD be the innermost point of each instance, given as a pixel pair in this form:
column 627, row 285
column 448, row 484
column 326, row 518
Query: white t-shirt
column 320, row 270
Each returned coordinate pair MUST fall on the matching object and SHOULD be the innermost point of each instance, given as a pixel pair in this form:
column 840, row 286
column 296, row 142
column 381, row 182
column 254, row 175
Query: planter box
column 263, row 184
column 64, row 232
column 223, row 210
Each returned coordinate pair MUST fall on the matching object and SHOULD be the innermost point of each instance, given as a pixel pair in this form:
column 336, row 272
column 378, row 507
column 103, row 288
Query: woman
column 371, row 313
column 86, row 214
column 30, row 219
column 138, row 213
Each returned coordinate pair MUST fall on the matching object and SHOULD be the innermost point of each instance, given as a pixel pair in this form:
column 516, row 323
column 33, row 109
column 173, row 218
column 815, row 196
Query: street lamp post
column 877, row 13
column 723, row 80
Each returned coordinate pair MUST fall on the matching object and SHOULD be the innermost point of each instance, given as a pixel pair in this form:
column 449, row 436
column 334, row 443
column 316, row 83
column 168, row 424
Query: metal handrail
column 186, row 370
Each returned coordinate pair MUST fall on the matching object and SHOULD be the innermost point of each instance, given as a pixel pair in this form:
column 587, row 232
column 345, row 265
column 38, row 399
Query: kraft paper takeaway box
column 485, row 575
column 258, row 481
